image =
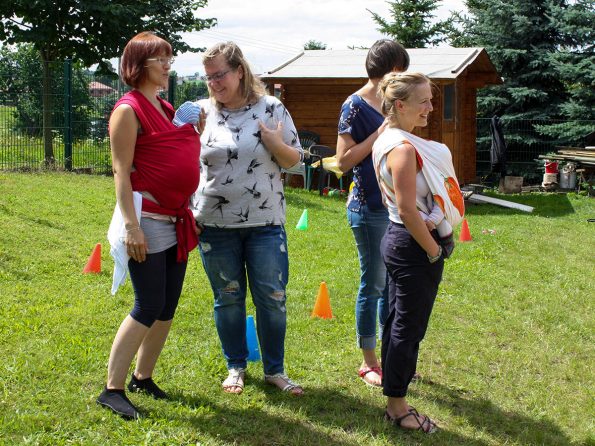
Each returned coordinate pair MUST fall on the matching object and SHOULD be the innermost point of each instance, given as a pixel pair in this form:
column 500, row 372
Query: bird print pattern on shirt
column 271, row 176
column 240, row 179
column 221, row 201
column 232, row 154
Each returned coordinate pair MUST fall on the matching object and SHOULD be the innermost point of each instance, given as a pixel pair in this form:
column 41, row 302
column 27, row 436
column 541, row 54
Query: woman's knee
column 229, row 294
column 272, row 301
column 147, row 314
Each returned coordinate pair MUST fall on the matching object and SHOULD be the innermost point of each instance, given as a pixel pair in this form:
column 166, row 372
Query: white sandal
column 235, row 378
column 287, row 385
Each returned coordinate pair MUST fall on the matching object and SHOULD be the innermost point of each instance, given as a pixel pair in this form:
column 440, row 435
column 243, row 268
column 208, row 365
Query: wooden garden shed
column 314, row 84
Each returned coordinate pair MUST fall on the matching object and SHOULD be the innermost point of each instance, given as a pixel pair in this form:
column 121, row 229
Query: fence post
column 68, row 114
column 171, row 89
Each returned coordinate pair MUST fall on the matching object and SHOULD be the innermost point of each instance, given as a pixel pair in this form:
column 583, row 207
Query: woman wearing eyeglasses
column 155, row 167
column 240, row 207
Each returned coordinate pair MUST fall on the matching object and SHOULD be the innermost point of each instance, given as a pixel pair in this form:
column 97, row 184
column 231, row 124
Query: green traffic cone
column 303, row 223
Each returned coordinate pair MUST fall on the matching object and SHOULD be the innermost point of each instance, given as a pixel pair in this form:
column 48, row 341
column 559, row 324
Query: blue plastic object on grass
column 252, row 340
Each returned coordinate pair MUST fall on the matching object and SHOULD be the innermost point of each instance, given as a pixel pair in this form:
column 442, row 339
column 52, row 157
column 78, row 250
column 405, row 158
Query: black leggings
column 413, row 286
column 157, row 284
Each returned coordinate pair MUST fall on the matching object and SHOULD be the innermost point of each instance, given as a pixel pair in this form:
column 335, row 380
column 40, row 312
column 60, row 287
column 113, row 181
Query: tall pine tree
column 413, row 25
column 574, row 63
column 520, row 38
column 544, row 51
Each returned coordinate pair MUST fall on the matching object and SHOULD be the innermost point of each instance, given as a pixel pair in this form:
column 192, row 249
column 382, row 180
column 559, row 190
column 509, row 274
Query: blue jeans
column 258, row 254
column 368, row 227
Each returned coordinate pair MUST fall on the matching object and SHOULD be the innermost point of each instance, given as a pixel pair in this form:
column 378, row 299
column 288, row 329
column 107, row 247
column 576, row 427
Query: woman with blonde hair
column 411, row 170
column 247, row 137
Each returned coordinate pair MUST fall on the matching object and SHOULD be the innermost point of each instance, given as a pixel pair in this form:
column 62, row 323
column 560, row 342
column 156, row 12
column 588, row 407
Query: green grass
column 508, row 358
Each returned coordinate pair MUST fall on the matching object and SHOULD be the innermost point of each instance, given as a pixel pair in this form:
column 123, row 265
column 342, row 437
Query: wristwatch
column 436, row 257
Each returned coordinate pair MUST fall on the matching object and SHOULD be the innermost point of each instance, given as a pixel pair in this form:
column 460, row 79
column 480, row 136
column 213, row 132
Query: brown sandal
column 425, row 424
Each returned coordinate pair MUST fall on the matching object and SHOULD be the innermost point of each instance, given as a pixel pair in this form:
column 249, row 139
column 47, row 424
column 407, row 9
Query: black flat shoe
column 146, row 385
column 117, row 401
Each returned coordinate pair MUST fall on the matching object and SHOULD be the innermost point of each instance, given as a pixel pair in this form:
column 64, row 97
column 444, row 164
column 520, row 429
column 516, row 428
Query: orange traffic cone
column 465, row 234
column 322, row 307
column 94, row 263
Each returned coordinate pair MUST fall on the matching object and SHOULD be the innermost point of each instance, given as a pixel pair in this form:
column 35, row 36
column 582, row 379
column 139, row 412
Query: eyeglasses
column 163, row 60
column 215, row 77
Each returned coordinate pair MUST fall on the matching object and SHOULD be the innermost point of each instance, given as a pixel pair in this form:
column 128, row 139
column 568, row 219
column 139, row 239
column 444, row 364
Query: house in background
column 314, row 84
column 97, row 89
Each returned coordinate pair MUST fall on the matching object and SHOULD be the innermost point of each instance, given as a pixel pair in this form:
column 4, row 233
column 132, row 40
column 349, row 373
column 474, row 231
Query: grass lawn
column 508, row 358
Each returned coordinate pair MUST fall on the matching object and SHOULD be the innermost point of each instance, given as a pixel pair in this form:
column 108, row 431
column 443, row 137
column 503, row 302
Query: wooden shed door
column 448, row 121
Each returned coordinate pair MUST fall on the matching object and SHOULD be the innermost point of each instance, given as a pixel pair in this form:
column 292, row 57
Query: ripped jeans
column 258, row 254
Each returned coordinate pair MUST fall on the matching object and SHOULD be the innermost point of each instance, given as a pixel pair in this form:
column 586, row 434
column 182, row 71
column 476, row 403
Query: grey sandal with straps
column 235, row 378
column 282, row 381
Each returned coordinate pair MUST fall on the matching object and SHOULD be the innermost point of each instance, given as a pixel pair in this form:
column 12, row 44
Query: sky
column 270, row 32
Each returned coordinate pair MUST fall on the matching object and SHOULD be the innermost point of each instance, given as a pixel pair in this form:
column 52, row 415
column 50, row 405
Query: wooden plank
column 577, row 152
column 477, row 198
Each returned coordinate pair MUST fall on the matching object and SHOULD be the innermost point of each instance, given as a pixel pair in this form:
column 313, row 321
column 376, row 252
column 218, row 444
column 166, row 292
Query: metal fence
column 81, row 101
column 525, row 143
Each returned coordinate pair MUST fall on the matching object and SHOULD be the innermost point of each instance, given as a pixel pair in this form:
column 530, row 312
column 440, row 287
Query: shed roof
column 99, row 86
column 436, row 63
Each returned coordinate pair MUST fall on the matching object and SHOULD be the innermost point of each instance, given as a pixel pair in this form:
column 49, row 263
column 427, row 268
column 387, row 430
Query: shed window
column 449, row 102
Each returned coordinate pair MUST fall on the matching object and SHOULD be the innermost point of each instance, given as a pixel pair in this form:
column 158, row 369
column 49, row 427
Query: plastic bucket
column 551, row 167
column 567, row 180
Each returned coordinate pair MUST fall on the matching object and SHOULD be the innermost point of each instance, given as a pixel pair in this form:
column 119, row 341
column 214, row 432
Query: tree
column 314, row 45
column 412, row 24
column 574, row 64
column 92, row 31
column 544, row 51
column 20, row 74
column 191, row 91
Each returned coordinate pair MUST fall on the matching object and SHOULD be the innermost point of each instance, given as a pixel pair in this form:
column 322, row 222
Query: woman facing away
column 416, row 176
column 240, row 210
column 360, row 123
column 155, row 167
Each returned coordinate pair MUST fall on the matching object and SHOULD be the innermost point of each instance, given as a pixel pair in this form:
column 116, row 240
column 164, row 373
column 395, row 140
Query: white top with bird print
column 240, row 181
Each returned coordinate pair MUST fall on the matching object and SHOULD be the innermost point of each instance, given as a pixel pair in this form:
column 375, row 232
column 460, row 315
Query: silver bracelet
column 435, row 258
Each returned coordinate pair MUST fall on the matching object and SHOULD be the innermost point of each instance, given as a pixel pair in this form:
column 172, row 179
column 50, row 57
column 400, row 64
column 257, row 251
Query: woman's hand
column 271, row 138
column 430, row 225
column 284, row 154
column 202, row 120
column 136, row 245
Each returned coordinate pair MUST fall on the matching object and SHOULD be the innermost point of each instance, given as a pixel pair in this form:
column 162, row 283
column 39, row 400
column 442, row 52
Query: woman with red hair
column 155, row 167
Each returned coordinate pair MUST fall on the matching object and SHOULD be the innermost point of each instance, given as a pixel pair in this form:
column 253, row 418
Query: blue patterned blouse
column 359, row 119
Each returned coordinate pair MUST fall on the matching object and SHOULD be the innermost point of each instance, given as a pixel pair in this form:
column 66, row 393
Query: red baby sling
column 166, row 159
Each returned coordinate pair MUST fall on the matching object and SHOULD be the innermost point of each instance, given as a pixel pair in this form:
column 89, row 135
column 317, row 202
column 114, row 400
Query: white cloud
column 271, row 32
